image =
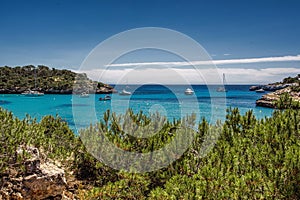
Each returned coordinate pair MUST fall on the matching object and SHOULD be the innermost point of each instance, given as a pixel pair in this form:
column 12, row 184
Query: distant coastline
column 288, row 87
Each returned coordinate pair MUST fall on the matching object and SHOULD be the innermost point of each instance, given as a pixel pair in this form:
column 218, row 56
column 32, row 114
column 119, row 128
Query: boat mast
column 34, row 78
column 224, row 80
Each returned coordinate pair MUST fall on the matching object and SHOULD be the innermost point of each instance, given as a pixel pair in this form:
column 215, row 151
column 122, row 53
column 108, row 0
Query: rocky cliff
column 269, row 100
column 288, row 86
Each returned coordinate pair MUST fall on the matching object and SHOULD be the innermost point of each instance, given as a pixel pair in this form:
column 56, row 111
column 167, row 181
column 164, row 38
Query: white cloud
column 216, row 62
column 264, row 76
column 226, row 54
column 183, row 72
column 182, row 76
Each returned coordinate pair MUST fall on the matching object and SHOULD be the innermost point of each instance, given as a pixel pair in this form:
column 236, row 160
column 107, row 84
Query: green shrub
column 285, row 101
column 252, row 159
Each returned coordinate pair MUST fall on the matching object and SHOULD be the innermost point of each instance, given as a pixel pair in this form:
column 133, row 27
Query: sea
column 167, row 100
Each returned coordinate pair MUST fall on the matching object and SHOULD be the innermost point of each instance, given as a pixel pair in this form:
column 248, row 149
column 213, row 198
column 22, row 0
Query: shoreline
column 286, row 92
column 98, row 91
column 269, row 100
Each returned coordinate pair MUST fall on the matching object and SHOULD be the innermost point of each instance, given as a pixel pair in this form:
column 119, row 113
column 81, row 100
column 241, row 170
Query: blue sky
column 60, row 33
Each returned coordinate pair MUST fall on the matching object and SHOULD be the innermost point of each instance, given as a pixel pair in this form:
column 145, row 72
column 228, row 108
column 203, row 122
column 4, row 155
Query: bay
column 169, row 101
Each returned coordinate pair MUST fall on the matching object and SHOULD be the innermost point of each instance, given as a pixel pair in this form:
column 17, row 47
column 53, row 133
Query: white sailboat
column 33, row 93
column 261, row 90
column 188, row 91
column 222, row 88
column 125, row 92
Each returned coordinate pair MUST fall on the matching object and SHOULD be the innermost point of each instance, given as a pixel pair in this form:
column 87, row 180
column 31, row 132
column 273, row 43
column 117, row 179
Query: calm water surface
column 168, row 100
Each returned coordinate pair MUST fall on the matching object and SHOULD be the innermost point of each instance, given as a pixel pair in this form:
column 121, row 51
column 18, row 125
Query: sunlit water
column 168, row 100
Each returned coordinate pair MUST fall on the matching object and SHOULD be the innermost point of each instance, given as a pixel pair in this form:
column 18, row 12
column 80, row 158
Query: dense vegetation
column 286, row 94
column 252, row 158
column 293, row 80
column 18, row 79
column 285, row 101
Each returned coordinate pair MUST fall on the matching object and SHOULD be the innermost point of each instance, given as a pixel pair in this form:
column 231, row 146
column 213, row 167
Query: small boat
column 260, row 90
column 84, row 95
column 222, row 88
column 32, row 93
column 124, row 92
column 35, row 92
column 188, row 91
column 106, row 98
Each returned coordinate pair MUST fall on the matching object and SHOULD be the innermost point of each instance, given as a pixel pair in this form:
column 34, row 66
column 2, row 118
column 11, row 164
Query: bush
column 252, row 159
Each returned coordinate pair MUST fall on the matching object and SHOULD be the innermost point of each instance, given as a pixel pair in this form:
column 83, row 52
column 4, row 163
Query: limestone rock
column 41, row 179
column 49, row 181
column 269, row 87
column 105, row 90
column 269, row 100
column 255, row 87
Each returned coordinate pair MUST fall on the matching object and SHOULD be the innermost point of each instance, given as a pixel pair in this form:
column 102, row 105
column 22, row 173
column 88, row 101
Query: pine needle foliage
column 251, row 158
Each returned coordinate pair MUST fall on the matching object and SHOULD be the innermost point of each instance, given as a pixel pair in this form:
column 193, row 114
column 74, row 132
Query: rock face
column 269, row 87
column 269, row 100
column 47, row 181
column 101, row 90
column 62, row 91
column 40, row 181
column 255, row 87
column 105, row 90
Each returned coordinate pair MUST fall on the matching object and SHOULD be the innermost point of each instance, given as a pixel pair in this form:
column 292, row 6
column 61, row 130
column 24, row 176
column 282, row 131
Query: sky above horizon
column 251, row 42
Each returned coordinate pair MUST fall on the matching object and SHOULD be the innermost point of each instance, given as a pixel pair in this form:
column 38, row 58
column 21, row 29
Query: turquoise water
column 168, row 100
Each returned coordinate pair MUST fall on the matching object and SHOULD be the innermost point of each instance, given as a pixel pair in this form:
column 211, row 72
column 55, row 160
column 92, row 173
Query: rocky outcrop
column 47, row 181
column 55, row 91
column 40, row 180
column 101, row 90
column 270, row 87
column 269, row 100
column 106, row 90
column 255, row 87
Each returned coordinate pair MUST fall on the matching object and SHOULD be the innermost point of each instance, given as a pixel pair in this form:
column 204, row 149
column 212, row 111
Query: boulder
column 255, row 87
column 48, row 181
column 41, row 179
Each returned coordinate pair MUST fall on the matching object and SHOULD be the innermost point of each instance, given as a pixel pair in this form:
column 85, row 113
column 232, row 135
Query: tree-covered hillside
column 19, row 79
